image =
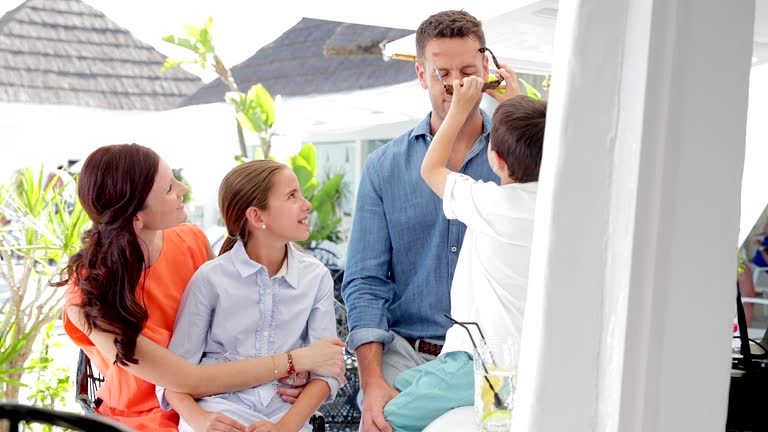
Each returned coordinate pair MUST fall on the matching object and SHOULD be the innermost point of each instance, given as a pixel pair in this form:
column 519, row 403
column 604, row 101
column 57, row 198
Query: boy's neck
column 267, row 252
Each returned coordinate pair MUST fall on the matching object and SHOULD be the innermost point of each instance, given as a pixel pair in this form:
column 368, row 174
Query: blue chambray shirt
column 232, row 309
column 402, row 250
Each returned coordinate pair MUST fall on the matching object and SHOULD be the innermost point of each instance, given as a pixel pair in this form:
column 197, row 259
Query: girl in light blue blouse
column 260, row 297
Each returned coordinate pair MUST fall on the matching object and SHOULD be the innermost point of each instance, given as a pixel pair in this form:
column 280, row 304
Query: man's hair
column 448, row 24
column 517, row 136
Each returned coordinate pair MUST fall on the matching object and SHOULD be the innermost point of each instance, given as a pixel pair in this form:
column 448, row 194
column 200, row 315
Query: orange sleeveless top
column 125, row 397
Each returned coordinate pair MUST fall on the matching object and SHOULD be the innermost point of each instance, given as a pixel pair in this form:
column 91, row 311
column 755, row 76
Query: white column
column 632, row 286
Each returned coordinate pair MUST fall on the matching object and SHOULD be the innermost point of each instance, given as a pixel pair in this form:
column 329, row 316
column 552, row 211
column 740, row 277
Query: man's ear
column 422, row 74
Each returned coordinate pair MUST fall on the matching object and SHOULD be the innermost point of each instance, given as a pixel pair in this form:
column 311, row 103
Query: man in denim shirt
column 403, row 251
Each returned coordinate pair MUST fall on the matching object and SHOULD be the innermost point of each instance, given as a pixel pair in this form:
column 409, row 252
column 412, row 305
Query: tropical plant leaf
column 192, row 31
column 309, row 153
column 530, row 90
column 12, row 382
column 328, row 191
column 263, row 104
column 170, row 63
column 206, row 36
column 308, row 189
column 302, row 170
column 181, row 42
column 245, row 122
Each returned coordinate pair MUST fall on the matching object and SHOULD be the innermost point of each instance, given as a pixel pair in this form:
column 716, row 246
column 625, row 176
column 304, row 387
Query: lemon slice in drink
column 497, row 416
column 487, row 393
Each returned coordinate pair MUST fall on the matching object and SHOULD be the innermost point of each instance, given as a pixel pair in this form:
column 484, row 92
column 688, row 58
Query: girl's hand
column 217, row 422
column 511, row 86
column 466, row 94
column 324, row 357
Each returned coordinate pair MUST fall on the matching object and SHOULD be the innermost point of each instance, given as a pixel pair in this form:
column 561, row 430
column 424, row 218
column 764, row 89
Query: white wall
column 632, row 283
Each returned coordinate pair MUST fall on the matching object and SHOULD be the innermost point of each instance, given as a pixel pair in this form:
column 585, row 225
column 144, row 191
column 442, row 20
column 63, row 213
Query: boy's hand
column 218, row 422
column 511, row 86
column 466, row 94
column 290, row 392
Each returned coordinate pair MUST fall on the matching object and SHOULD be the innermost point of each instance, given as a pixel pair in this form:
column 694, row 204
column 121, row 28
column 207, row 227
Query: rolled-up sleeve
column 192, row 324
column 322, row 324
column 366, row 288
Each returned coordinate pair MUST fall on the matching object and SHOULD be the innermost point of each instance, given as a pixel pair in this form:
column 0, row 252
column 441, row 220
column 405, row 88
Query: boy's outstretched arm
column 465, row 96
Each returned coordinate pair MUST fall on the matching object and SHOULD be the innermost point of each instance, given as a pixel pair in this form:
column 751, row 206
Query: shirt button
column 454, row 249
column 266, row 333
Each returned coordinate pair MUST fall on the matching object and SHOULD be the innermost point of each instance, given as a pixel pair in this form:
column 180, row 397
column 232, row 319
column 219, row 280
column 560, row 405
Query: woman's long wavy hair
column 246, row 186
column 113, row 187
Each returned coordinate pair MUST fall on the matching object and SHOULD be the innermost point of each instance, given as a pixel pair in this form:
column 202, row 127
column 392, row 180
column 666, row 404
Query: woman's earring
column 263, row 226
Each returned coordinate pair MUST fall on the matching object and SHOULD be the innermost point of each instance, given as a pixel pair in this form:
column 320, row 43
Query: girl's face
column 164, row 207
column 287, row 213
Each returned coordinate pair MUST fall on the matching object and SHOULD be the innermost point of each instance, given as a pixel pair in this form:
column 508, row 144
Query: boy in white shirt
column 491, row 279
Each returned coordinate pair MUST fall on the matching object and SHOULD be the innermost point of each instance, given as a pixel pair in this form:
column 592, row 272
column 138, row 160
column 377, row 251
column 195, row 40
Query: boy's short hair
column 517, row 136
column 448, row 24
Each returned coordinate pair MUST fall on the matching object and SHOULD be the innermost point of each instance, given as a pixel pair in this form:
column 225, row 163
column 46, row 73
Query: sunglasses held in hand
column 490, row 85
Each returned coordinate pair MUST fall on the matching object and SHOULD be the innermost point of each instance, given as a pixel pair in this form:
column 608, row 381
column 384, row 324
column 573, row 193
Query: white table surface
column 462, row 419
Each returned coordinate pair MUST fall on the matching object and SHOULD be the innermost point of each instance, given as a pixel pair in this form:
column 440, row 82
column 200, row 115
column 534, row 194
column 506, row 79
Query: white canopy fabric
column 376, row 113
column 522, row 38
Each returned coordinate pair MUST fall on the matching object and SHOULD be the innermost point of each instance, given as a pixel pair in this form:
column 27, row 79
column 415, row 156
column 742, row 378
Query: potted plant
column 42, row 225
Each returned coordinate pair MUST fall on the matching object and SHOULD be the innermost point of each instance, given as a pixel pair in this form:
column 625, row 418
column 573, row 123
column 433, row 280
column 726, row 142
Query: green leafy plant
column 51, row 383
column 42, row 227
column 529, row 90
column 255, row 112
column 325, row 197
column 13, row 344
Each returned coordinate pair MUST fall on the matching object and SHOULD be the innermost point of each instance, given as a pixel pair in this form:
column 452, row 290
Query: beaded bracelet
column 291, row 369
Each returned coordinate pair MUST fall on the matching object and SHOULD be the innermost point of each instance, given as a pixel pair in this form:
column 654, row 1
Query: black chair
column 343, row 414
column 88, row 381
column 333, row 263
column 16, row 413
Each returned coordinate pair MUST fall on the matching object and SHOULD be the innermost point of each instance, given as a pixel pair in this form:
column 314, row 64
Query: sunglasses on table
column 490, row 85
